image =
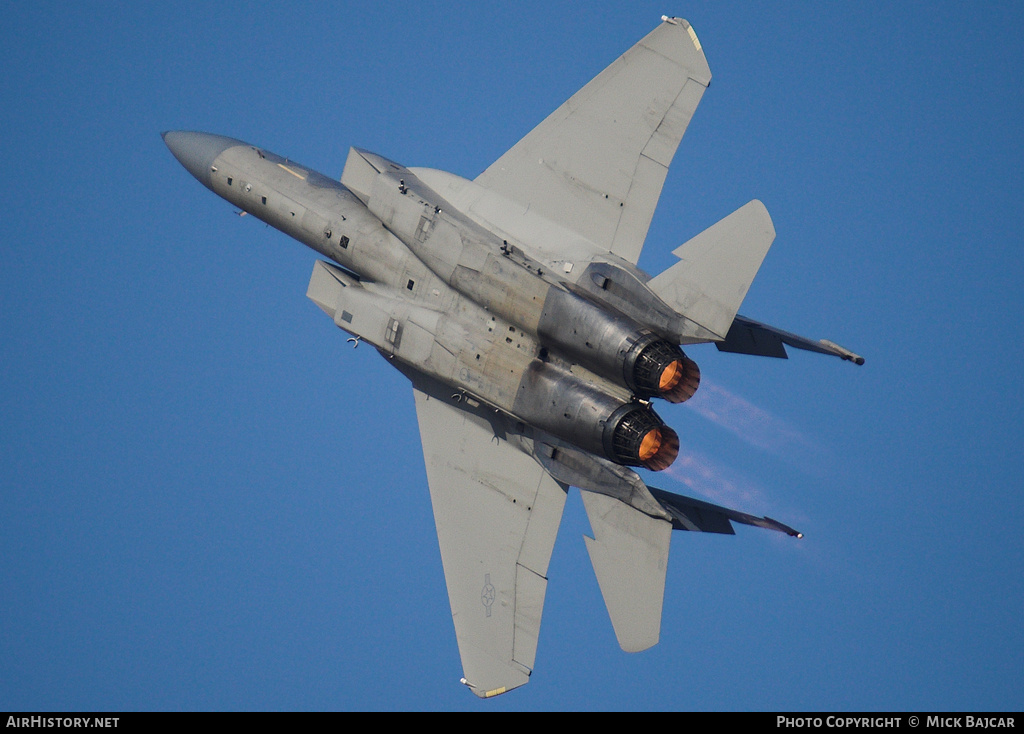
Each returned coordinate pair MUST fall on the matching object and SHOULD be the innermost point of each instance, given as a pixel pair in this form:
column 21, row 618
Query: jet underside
column 535, row 347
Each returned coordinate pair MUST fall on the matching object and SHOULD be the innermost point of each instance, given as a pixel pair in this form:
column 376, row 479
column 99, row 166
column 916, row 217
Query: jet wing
column 497, row 513
column 597, row 164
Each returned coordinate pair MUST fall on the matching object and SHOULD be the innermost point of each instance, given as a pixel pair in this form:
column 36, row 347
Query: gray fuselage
column 451, row 302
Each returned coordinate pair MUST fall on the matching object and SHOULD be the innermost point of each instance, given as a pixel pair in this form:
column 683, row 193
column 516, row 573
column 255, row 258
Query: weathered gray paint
column 533, row 343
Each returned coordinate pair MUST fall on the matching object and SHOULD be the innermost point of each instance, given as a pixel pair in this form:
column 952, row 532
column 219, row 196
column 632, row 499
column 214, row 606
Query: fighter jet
column 535, row 347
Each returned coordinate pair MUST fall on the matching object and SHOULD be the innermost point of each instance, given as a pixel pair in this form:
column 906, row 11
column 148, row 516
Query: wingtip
column 685, row 24
column 480, row 693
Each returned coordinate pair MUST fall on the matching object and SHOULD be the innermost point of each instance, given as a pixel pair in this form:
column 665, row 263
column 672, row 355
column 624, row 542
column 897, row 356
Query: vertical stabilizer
column 716, row 268
column 629, row 553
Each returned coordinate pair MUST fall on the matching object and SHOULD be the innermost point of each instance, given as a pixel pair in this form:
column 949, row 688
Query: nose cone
column 198, row 151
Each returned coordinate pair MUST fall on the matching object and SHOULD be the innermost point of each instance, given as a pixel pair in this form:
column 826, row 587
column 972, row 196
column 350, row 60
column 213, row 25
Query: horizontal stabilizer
column 692, row 514
column 629, row 552
column 747, row 336
column 716, row 268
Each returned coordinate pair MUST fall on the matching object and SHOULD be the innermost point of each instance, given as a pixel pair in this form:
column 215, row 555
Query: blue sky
column 210, row 501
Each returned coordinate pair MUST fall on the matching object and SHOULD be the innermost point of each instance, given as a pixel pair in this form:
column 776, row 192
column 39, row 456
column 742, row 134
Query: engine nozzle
column 655, row 368
column 636, row 436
